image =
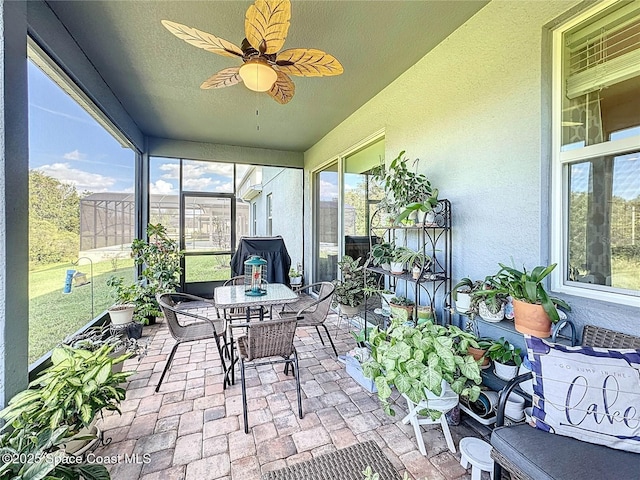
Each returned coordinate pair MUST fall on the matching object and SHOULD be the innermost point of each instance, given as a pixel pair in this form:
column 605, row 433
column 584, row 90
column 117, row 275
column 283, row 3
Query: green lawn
column 53, row 315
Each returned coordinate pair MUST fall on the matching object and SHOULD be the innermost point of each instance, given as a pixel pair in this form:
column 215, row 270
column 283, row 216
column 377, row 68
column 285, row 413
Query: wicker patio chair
column 175, row 306
column 312, row 312
column 263, row 343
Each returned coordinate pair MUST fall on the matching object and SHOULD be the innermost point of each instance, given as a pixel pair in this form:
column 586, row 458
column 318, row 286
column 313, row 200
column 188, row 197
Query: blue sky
column 65, row 142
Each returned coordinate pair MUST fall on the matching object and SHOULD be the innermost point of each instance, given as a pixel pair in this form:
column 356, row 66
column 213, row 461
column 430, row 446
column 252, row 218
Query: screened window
column 597, row 157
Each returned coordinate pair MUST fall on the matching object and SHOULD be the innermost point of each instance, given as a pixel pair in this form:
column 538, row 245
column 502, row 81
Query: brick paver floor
column 193, row 429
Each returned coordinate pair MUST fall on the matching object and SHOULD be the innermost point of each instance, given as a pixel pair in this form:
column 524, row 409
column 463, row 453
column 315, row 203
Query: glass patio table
column 234, row 296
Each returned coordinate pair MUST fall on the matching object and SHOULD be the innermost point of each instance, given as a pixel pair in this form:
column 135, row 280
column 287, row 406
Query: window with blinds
column 596, row 175
column 601, row 77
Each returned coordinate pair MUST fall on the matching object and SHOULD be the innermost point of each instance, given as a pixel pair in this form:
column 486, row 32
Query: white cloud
column 75, row 155
column 328, row 190
column 224, row 187
column 80, row 179
column 197, row 184
column 162, row 188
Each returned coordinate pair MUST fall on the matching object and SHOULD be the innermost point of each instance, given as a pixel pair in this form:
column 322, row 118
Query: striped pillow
column 592, row 394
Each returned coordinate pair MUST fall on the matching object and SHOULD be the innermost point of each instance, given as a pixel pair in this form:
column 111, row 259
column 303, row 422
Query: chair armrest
column 506, row 391
column 212, row 321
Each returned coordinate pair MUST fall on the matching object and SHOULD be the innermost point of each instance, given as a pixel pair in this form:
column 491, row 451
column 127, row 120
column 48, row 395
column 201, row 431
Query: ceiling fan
column 264, row 69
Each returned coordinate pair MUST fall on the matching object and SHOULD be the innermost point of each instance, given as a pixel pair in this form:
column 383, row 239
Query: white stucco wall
column 285, row 186
column 474, row 111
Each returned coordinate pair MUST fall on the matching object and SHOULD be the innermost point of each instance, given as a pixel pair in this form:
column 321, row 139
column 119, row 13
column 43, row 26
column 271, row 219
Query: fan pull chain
column 257, row 112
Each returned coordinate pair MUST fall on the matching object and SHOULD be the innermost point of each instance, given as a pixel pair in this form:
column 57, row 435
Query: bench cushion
column 543, row 456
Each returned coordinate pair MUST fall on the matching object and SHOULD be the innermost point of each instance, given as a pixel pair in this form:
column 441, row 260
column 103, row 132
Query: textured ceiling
column 156, row 76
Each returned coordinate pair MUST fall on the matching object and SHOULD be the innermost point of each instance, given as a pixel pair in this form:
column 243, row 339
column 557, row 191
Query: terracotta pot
column 398, row 310
column 478, row 354
column 532, row 319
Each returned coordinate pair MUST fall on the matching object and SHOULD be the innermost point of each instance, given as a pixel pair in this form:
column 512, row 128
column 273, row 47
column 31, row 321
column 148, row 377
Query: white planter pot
column 514, row 408
column 430, row 218
column 78, row 447
column 296, row 281
column 386, row 299
column 348, row 309
column 486, row 314
column 121, row 314
column 463, row 302
column 505, row 372
column 397, row 267
column 421, row 217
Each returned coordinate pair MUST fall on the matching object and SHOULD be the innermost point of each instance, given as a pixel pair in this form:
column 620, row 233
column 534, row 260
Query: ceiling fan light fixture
column 258, row 75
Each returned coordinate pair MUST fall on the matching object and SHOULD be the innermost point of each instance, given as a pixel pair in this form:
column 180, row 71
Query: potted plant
column 402, row 308
column 478, row 350
column 417, row 359
column 462, row 291
column 41, row 455
column 411, row 192
column 350, row 290
column 71, row 392
column 534, row 309
column 295, row 277
column 97, row 337
column 160, row 258
column 487, row 303
column 415, row 261
column 397, row 262
column 506, row 358
column 382, row 254
column 122, row 311
column 146, row 307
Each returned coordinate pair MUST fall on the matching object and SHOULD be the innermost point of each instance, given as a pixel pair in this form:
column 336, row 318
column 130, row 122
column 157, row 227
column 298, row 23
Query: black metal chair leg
column 321, row 339
column 330, row 339
column 297, row 373
column 244, row 397
column 166, row 367
column 497, row 471
column 220, row 352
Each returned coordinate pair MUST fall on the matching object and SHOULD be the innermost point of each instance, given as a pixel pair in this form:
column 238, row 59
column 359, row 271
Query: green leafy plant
column 502, row 351
column 160, row 257
column 403, row 301
column 122, row 294
column 527, row 287
column 97, row 337
column 466, row 285
column 351, row 290
column 71, row 392
column 415, row 358
column 410, row 191
column 382, row 253
column 293, row 273
column 413, row 258
column 38, row 455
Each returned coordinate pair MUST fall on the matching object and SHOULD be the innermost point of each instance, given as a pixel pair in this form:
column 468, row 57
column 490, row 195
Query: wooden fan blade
column 203, row 40
column 283, row 90
column 308, row 62
column 224, row 78
column 266, row 24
